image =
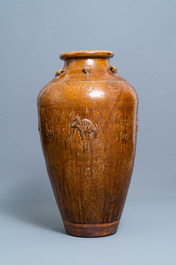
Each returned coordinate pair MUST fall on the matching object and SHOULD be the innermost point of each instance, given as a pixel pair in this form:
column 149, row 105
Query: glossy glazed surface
column 88, row 127
column 86, row 54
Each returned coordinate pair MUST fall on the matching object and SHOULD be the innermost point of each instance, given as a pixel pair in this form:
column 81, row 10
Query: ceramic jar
column 88, row 128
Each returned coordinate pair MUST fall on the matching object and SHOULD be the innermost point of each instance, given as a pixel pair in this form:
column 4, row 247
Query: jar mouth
column 86, row 54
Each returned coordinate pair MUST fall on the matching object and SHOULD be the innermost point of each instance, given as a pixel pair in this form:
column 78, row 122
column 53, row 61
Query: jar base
column 91, row 230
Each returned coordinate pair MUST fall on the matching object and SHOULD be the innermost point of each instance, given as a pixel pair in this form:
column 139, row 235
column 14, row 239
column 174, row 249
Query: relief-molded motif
column 84, row 126
column 83, row 130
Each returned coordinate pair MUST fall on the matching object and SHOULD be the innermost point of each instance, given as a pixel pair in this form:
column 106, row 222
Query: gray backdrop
column 142, row 34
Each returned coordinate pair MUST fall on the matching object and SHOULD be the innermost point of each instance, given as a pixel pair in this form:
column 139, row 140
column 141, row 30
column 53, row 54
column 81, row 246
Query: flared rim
column 86, row 54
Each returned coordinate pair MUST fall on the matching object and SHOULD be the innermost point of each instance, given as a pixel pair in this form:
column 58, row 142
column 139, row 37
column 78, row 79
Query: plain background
column 142, row 34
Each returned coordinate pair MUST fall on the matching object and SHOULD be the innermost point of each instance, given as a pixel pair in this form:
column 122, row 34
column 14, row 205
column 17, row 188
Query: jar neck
column 86, row 65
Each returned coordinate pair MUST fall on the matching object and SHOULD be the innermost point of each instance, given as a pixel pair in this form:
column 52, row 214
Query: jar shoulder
column 107, row 87
column 129, row 92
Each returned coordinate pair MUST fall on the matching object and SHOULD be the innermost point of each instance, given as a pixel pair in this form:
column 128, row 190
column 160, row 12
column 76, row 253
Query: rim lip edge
column 86, row 54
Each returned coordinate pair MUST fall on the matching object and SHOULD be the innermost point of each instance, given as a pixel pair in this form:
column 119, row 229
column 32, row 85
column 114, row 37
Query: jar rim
column 86, row 54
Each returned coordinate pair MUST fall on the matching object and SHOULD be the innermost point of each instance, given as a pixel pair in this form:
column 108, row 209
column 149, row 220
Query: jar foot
column 91, row 230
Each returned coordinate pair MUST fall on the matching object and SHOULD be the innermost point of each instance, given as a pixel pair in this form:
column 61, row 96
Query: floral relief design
column 124, row 128
column 121, row 126
column 87, row 86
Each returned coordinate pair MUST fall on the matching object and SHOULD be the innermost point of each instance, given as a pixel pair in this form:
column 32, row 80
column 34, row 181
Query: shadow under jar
column 88, row 128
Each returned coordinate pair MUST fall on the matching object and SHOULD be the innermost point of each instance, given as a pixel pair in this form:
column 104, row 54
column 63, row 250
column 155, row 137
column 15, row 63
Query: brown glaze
column 88, row 127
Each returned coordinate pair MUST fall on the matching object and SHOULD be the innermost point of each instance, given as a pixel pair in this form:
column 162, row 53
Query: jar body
column 88, row 127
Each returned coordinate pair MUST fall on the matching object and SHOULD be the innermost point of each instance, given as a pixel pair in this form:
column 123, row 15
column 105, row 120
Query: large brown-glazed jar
column 88, row 127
